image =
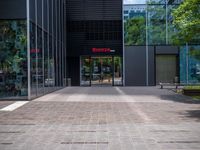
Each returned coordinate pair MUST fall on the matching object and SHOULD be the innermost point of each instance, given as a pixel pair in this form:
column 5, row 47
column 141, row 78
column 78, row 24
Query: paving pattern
column 103, row 118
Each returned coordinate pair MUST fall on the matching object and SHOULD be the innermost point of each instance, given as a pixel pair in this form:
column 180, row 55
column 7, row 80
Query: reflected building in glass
column 148, row 39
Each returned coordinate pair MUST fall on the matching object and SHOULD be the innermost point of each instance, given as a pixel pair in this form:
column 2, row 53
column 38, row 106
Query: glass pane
column 85, row 70
column 39, row 52
column 135, row 25
column 47, row 81
column 33, row 59
column 102, row 72
column 107, row 71
column 13, row 59
column 51, row 69
column 135, row 1
column 171, row 30
column 190, row 64
column 118, row 71
column 56, row 63
column 156, row 24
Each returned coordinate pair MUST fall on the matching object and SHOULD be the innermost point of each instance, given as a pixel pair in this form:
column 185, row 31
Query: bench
column 177, row 84
column 169, row 84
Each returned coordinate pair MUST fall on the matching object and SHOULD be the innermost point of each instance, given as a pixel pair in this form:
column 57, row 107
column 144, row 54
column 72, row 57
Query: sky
column 134, row 1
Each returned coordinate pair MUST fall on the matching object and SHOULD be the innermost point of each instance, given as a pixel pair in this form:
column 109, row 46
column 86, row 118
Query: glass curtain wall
column 149, row 23
column 13, row 59
column 156, row 24
column 46, row 46
column 190, row 64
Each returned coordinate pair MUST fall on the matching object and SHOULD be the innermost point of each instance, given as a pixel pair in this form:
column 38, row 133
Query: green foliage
column 156, row 24
column 135, row 31
column 12, row 45
column 192, row 87
column 195, row 53
column 196, row 97
column 186, row 19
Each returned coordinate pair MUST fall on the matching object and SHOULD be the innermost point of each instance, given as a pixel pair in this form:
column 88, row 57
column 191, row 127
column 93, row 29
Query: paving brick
column 110, row 118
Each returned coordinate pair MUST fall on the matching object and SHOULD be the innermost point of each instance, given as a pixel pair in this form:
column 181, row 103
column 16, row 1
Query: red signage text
column 101, row 50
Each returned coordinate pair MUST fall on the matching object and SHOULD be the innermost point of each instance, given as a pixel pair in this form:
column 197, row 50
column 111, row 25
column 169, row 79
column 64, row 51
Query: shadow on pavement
column 88, row 90
column 193, row 114
column 179, row 98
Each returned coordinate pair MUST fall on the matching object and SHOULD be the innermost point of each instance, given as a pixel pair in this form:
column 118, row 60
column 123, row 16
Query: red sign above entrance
column 102, row 50
column 35, row 51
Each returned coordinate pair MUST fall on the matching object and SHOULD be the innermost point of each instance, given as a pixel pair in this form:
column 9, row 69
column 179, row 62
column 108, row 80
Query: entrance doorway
column 166, row 68
column 100, row 70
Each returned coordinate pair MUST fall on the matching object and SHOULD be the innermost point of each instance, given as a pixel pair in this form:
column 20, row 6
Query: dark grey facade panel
column 32, row 10
column 94, row 9
column 57, row 19
column 54, row 18
column 135, row 63
column 77, row 45
column 13, row 9
column 74, row 70
column 167, row 50
column 92, row 24
column 45, row 8
column 50, row 11
column 135, row 66
column 39, row 12
column 151, row 65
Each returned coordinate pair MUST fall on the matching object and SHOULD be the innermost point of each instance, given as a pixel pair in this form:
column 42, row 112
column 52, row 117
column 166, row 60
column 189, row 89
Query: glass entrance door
column 85, row 71
column 100, row 70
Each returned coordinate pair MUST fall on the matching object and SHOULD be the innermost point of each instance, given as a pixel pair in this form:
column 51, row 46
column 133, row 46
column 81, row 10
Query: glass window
column 190, row 64
column 126, row 12
column 156, row 24
column 39, row 52
column 51, row 67
column 135, row 27
column 171, row 30
column 47, row 81
column 118, row 71
column 33, row 59
column 13, row 58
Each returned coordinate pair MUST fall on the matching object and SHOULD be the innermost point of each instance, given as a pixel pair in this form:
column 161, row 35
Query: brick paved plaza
column 103, row 118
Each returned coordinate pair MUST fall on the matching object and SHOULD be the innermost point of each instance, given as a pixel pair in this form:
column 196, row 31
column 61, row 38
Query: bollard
column 176, row 79
column 69, row 81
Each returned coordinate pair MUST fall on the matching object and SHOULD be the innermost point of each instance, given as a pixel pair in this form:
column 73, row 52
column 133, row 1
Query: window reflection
column 152, row 20
column 190, row 64
column 13, row 58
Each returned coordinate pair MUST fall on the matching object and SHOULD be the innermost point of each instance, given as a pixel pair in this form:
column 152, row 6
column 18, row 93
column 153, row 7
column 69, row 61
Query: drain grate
column 6, row 143
column 84, row 143
column 170, row 131
column 17, row 124
column 88, row 131
column 11, row 132
column 187, row 142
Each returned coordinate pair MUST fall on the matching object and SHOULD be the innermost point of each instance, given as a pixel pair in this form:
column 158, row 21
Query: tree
column 186, row 19
column 135, row 31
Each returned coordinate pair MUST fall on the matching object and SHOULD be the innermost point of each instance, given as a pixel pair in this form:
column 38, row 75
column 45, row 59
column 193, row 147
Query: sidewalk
column 109, row 118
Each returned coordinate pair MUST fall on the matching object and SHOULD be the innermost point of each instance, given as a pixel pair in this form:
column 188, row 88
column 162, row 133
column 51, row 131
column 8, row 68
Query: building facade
column 91, row 43
column 149, row 39
column 32, row 47
column 95, row 42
